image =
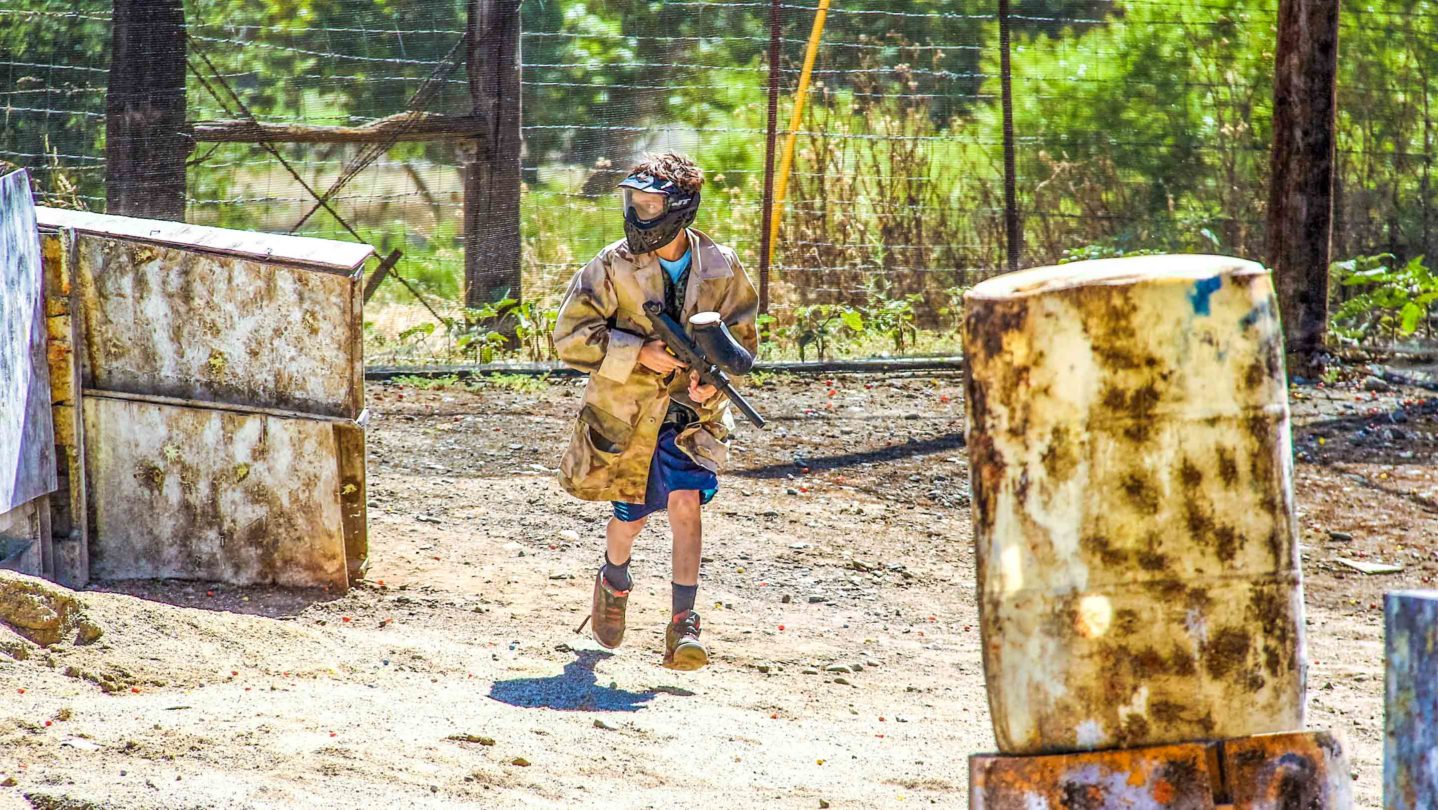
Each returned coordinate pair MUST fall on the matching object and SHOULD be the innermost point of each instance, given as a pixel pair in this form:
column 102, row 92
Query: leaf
column 1411, row 314
column 853, row 320
column 426, row 328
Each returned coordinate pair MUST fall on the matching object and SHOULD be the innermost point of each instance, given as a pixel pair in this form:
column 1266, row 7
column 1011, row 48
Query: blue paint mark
column 1202, row 290
column 1262, row 311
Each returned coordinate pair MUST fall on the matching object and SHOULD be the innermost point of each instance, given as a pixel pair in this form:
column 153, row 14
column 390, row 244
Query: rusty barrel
column 1133, row 504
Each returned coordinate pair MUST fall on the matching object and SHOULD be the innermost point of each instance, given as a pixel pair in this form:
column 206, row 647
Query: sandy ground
column 454, row 676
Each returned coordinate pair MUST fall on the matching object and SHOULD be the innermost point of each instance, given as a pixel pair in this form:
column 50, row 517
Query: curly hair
column 672, row 166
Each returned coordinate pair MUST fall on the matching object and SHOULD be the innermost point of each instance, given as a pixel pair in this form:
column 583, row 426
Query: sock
column 684, row 596
column 617, row 575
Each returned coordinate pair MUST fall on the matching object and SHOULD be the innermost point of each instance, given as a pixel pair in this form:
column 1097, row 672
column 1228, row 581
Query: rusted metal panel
column 1410, row 754
column 1173, row 777
column 213, row 494
column 1294, row 771
column 27, row 452
column 20, row 534
column 318, row 254
column 69, row 540
column 350, row 444
column 1133, row 510
column 181, row 323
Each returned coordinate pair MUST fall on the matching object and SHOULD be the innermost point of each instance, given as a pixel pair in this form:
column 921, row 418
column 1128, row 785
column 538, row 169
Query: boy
column 649, row 436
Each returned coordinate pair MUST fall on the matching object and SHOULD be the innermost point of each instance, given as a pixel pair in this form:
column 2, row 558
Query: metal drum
column 1138, row 569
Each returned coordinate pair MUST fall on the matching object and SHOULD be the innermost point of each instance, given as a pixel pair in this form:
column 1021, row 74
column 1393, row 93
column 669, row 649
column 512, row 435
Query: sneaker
column 682, row 649
column 606, row 613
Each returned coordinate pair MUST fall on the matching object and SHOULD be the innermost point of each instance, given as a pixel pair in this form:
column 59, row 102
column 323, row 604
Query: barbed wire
column 897, row 177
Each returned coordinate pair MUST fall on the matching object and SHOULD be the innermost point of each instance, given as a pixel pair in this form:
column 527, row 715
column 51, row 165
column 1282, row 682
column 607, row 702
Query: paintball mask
column 653, row 219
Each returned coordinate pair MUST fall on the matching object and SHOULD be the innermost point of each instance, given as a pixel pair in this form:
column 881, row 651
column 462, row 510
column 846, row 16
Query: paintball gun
column 713, row 352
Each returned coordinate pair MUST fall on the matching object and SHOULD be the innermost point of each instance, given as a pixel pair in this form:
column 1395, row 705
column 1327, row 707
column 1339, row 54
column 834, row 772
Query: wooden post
column 146, row 146
column 1410, row 621
column 1300, row 194
column 492, row 169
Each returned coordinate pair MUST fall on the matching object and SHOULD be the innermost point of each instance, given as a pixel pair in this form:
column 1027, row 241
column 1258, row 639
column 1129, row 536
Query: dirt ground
column 455, row 677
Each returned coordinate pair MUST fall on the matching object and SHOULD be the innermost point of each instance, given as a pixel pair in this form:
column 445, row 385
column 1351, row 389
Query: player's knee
column 686, row 500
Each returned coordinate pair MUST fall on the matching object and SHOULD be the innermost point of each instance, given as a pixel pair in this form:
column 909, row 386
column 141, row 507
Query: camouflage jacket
column 600, row 329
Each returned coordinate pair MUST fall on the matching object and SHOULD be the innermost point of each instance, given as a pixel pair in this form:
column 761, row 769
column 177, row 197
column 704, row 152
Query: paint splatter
column 1203, row 289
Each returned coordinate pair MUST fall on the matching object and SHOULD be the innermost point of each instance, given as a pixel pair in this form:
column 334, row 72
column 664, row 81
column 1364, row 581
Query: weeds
column 1394, row 300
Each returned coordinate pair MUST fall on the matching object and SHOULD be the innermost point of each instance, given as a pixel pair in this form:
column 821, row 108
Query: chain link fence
column 1142, row 125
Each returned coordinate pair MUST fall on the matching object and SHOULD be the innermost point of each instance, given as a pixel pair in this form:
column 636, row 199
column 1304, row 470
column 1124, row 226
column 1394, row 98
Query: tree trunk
column 1300, row 210
column 146, row 145
column 492, row 169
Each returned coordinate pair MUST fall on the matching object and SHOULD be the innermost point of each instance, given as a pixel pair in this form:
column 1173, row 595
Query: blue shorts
column 672, row 470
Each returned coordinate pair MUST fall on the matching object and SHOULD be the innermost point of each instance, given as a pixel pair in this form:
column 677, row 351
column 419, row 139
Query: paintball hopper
column 718, row 344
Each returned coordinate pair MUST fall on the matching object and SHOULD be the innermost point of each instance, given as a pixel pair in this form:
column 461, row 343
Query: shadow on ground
column 946, row 443
column 575, row 689
column 271, row 601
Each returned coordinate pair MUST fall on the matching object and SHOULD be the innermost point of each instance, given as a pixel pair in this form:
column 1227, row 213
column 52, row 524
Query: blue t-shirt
column 676, row 268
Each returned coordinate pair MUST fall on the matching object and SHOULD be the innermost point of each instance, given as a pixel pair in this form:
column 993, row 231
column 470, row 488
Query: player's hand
column 655, row 357
column 698, row 392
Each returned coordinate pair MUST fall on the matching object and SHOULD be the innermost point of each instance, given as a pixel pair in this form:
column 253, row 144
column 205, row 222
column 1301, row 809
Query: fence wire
column 1140, row 125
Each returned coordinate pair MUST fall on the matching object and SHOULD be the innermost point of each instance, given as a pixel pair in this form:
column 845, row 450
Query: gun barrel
column 675, row 338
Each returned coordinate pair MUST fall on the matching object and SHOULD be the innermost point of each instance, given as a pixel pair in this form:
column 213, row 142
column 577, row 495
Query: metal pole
column 766, row 236
column 787, row 162
column 1011, row 203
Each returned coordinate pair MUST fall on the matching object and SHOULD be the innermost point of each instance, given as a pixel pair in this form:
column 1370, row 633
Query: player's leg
column 612, row 583
column 682, row 648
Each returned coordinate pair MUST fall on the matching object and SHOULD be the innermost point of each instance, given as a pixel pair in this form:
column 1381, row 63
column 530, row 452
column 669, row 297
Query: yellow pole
column 781, row 184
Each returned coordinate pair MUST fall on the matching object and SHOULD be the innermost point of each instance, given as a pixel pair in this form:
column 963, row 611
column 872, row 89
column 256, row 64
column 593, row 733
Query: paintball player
column 650, row 435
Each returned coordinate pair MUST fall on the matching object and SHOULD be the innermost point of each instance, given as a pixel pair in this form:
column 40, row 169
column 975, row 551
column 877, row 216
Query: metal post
column 1410, row 620
column 766, row 235
column 1014, row 238
column 811, row 52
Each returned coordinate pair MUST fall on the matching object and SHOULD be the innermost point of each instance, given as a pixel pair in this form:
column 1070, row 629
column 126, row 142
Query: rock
column 823, row 804
column 842, row 681
column 786, row 599
column 1372, row 383
column 520, row 761
column 10, row 782
column 791, row 491
column 601, row 724
column 764, row 668
column 814, row 600
column 838, row 668
column 570, row 535
column 1342, row 537
column 43, row 612
column 856, row 667
column 808, row 671
column 471, row 738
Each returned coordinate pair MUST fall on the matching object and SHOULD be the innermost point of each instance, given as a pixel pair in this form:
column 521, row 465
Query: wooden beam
column 492, row 172
column 145, row 143
column 403, row 127
column 1300, row 193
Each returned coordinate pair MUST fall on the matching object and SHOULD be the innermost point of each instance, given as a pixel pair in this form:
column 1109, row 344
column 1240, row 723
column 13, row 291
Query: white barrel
column 1133, row 504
